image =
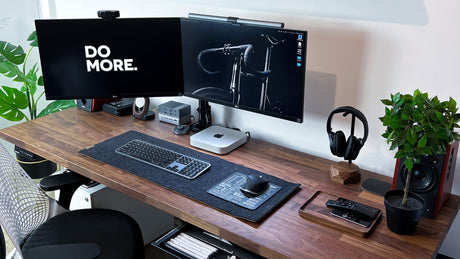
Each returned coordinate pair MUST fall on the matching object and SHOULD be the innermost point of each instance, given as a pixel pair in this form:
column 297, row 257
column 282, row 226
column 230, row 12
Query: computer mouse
column 181, row 129
column 254, row 186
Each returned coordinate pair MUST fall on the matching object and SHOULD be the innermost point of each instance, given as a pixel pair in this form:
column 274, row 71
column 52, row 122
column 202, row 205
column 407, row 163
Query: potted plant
column 19, row 104
column 416, row 126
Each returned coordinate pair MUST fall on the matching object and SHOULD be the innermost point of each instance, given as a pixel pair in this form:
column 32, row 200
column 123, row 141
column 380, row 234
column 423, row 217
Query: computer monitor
column 252, row 67
column 256, row 68
column 96, row 58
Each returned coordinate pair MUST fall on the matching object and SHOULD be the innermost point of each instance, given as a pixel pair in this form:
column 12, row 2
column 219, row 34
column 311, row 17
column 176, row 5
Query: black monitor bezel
column 251, row 109
column 178, row 91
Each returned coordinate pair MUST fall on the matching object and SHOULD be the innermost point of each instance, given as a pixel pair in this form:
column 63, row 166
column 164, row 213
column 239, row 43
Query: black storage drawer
column 190, row 237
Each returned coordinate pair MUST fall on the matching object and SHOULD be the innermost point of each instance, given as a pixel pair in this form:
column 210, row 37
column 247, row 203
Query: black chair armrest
column 67, row 183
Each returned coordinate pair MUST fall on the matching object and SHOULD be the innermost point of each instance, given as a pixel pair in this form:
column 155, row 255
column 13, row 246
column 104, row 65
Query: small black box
column 120, row 107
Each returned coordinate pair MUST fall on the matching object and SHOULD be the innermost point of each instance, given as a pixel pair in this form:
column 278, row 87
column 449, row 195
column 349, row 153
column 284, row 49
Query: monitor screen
column 255, row 68
column 96, row 58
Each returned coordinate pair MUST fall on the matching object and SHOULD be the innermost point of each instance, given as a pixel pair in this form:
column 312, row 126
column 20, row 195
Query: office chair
column 41, row 228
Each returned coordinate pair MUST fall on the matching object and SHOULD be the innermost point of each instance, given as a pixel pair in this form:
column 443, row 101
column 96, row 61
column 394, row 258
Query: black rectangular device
column 96, row 58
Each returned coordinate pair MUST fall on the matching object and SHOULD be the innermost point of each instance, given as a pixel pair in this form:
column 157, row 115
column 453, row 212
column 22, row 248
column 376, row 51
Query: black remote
column 354, row 207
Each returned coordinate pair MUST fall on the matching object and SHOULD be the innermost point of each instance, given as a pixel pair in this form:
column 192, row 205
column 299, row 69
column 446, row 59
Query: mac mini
column 218, row 139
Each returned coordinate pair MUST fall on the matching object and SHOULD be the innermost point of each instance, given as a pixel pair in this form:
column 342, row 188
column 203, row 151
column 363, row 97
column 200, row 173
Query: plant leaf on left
column 13, row 102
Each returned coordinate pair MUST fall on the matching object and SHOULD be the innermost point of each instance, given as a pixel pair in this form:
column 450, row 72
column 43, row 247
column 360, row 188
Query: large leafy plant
column 14, row 101
column 418, row 126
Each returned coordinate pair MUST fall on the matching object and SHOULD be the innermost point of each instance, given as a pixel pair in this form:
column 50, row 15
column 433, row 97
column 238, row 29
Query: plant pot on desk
column 403, row 220
column 34, row 165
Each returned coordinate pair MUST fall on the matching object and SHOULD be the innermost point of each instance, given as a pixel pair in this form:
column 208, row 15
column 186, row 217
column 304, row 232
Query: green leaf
column 40, row 81
column 56, row 106
column 33, row 39
column 439, row 116
column 452, row 105
column 409, row 163
column 12, row 53
column 11, row 70
column 396, row 98
column 31, row 80
column 11, row 102
column 405, row 116
column 390, row 136
column 396, row 124
column 400, row 154
column 387, row 102
column 457, row 117
column 411, row 136
column 422, row 142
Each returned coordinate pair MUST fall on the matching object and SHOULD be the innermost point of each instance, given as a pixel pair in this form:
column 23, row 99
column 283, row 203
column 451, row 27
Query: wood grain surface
column 283, row 234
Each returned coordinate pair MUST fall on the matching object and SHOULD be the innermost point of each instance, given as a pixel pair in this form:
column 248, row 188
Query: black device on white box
column 119, row 107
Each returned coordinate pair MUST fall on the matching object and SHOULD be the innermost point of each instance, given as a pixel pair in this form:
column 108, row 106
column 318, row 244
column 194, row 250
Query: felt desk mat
column 196, row 188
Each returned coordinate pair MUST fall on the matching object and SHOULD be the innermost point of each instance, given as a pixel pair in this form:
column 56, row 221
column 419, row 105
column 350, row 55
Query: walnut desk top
column 283, row 233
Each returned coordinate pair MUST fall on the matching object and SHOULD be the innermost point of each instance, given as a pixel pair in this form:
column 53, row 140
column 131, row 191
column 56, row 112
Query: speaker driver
column 424, row 176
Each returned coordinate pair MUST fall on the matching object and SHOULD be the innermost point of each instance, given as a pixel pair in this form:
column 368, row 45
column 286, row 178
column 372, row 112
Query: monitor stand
column 218, row 139
column 204, row 117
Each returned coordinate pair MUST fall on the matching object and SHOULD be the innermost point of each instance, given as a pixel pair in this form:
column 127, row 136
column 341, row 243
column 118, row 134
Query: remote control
column 354, row 207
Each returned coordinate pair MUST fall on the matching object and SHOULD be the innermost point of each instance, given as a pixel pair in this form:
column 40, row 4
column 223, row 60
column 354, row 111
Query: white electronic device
column 218, row 139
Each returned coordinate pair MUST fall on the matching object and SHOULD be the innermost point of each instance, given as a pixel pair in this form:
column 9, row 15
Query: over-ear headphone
column 348, row 149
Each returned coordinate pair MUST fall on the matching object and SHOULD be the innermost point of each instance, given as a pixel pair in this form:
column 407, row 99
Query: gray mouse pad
column 229, row 190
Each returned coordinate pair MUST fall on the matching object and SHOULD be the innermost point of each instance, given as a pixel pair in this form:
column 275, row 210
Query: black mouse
column 254, row 186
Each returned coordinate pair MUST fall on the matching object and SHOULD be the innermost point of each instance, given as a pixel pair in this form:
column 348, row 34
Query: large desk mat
column 197, row 189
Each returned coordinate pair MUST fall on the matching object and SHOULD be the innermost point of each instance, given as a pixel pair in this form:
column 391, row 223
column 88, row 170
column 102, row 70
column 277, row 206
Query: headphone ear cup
column 337, row 143
column 353, row 147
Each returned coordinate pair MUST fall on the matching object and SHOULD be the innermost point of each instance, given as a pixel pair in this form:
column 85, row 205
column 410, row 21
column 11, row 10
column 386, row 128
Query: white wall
column 16, row 24
column 359, row 51
column 357, row 54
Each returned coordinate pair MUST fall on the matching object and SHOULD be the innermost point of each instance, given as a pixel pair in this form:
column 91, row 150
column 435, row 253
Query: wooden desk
column 59, row 137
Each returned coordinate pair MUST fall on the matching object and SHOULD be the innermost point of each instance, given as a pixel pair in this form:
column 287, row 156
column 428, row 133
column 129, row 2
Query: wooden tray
column 315, row 209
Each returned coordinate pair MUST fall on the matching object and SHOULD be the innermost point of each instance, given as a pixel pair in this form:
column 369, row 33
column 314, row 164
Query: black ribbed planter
column 403, row 220
column 35, row 166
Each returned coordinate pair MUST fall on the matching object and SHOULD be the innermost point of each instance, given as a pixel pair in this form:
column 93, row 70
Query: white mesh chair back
column 23, row 205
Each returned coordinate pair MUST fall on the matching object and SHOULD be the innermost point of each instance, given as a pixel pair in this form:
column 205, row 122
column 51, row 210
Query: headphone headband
column 346, row 110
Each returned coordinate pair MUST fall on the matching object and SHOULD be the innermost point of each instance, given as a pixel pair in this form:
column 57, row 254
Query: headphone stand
column 344, row 172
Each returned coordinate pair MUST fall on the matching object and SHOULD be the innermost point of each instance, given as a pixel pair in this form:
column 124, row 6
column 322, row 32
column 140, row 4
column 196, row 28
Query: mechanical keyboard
column 163, row 158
